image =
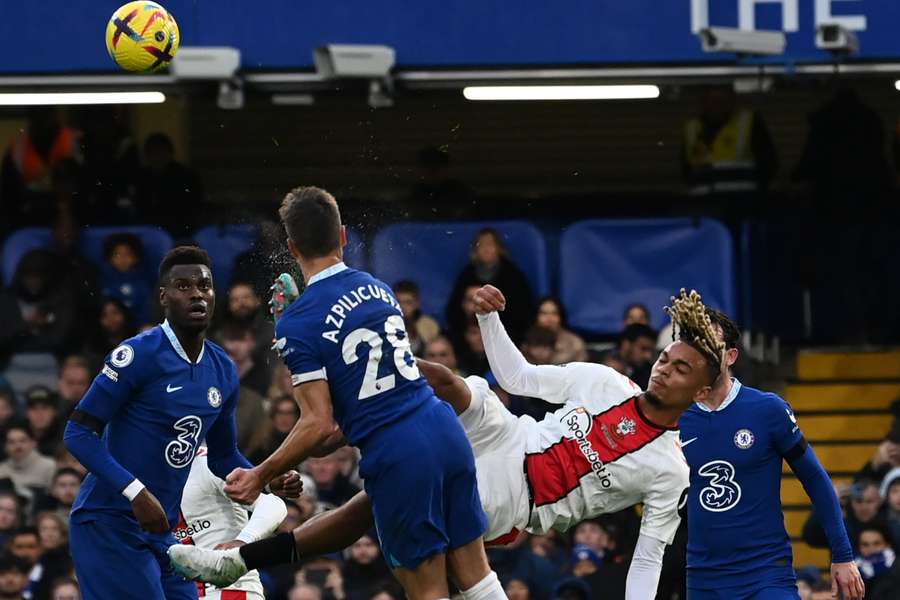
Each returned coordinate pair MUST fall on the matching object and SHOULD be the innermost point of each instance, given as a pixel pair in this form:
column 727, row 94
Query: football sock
column 488, row 588
column 269, row 552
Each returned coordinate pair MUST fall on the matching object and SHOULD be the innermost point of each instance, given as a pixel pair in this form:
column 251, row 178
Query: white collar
column 332, row 270
column 735, row 390
column 173, row 339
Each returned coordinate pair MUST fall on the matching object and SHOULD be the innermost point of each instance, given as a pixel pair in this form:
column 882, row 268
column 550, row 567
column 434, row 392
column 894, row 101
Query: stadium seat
column 21, row 243
column 26, row 369
column 225, row 243
column 607, row 264
column 156, row 242
column 433, row 254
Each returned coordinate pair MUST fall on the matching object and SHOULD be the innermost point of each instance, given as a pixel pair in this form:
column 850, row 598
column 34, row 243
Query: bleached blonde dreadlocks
column 691, row 324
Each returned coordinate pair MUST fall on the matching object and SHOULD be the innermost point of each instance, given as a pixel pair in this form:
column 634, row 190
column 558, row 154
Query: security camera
column 837, row 39
column 740, row 41
column 218, row 63
column 354, row 60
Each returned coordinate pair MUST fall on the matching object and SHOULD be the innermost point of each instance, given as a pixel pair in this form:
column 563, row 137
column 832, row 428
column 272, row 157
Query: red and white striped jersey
column 599, row 454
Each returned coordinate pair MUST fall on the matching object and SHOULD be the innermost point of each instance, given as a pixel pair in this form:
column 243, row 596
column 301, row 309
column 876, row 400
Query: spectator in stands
column 267, row 259
column 636, row 312
column 165, row 185
column 281, row 383
column 420, row 328
column 111, row 166
column 573, row 588
column 364, row 569
column 470, row 351
column 74, row 381
column 874, row 555
column 637, row 345
column 304, row 591
column 29, row 165
column 539, row 345
column 890, row 491
column 42, row 413
column 38, row 315
column 124, row 276
column 333, row 487
column 77, row 276
column 517, row 588
column 65, row 460
column 569, row 347
column 325, row 573
column 283, row 414
column 63, row 491
column 886, row 457
column 389, row 590
column 844, row 157
column 727, row 148
column 10, row 515
column 26, row 546
column 240, row 344
column 65, row 589
column 13, row 577
column 246, row 310
column 441, row 351
column 115, row 325
column 27, row 468
column 490, row 264
column 7, row 415
column 518, row 559
column 55, row 561
column 435, row 187
column 865, row 505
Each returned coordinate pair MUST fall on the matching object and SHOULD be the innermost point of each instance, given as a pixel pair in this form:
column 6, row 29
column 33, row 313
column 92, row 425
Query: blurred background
column 745, row 148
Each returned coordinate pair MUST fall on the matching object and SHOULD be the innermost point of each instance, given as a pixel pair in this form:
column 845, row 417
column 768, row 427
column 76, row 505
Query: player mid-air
column 345, row 344
column 608, row 447
column 158, row 396
column 210, row 519
column 735, row 441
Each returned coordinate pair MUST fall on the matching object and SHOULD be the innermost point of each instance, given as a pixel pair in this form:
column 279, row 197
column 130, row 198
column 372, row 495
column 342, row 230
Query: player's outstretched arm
column 267, row 513
column 646, row 565
column 513, row 372
column 314, row 428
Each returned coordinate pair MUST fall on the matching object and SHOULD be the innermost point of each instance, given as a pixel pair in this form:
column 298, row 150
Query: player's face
column 679, row 376
column 188, row 297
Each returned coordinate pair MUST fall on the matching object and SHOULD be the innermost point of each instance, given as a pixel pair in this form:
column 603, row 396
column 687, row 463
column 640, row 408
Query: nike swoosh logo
column 171, row 389
column 690, row 441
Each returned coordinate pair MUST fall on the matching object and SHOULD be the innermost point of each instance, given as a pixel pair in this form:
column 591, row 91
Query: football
column 142, row 36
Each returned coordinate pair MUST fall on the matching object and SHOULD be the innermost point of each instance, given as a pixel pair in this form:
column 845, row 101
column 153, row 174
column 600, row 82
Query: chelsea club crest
column 214, row 396
column 743, row 439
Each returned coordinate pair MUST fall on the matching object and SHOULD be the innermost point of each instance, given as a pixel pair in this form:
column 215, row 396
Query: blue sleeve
column 223, row 455
column 298, row 351
column 783, row 425
column 827, row 509
column 111, row 390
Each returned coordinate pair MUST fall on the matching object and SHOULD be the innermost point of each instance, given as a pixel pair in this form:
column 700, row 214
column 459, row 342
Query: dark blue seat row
column 603, row 265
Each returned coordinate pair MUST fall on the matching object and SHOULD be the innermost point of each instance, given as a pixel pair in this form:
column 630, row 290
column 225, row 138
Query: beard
column 653, row 399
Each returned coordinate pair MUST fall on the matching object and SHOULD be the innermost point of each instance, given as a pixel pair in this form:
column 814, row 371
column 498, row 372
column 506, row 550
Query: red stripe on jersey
column 233, row 595
column 592, row 443
column 506, row 538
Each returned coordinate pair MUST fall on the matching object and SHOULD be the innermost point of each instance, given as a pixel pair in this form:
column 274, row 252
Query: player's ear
column 343, row 236
column 293, row 249
column 703, row 394
column 163, row 301
column 731, row 356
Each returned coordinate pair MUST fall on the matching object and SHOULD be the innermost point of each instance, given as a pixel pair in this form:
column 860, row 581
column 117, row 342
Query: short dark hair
column 123, row 239
column 878, row 527
column 731, row 334
column 183, row 255
column 19, row 426
column 312, row 221
column 637, row 330
column 66, row 471
column 9, row 562
column 405, row 286
column 27, row 530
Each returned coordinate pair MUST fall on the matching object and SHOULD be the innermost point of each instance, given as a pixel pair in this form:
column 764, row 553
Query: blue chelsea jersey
column 736, row 534
column 347, row 328
column 159, row 407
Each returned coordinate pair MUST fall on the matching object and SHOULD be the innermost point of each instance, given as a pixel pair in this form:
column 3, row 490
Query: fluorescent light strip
column 561, row 92
column 62, row 98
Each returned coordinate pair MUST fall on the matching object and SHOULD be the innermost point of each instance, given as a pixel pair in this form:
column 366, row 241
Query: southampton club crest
column 626, row 426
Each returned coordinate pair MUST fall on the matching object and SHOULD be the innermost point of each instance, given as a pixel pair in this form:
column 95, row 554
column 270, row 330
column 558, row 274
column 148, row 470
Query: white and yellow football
column 142, row 36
